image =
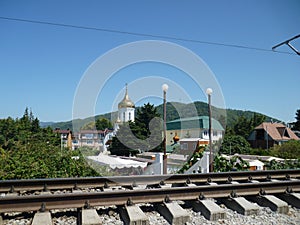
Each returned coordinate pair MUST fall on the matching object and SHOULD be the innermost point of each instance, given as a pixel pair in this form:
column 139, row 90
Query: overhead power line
column 142, row 34
column 287, row 42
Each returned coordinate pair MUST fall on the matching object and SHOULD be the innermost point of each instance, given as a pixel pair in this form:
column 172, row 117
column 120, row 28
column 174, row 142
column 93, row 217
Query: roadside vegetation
column 29, row 151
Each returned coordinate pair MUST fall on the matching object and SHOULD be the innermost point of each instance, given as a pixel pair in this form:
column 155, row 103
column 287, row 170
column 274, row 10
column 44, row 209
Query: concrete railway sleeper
column 172, row 212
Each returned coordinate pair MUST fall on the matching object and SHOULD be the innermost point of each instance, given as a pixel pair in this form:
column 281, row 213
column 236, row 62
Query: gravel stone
column 110, row 216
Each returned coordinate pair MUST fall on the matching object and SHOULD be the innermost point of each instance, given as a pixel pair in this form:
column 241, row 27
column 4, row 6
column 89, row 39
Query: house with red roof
column 267, row 135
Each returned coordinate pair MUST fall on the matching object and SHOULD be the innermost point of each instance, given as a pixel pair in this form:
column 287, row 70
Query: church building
column 126, row 109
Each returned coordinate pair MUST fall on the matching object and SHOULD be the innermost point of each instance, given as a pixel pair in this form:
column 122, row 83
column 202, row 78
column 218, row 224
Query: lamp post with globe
column 165, row 88
column 211, row 167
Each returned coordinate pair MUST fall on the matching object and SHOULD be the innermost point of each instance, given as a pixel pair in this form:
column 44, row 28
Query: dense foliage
column 243, row 125
column 233, row 144
column 103, row 123
column 119, row 148
column 296, row 125
column 29, row 151
column 141, row 131
column 280, row 165
column 288, row 150
column 235, row 163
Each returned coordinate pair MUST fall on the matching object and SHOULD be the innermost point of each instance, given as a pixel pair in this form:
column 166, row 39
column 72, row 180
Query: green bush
column 28, row 151
column 288, row 150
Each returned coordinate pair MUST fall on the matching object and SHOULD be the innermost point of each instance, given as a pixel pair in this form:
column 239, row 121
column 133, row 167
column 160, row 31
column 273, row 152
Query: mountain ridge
column 225, row 116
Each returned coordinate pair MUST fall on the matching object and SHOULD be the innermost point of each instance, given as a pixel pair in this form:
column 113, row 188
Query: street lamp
column 165, row 88
column 209, row 92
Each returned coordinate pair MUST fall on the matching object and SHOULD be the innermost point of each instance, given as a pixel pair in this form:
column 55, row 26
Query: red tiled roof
column 92, row 131
column 278, row 131
column 62, row 131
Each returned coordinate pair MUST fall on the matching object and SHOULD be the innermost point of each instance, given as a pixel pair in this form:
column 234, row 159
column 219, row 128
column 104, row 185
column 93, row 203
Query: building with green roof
column 193, row 127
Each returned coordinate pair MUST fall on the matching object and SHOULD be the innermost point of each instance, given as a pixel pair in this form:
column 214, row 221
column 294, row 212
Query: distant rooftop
column 278, row 131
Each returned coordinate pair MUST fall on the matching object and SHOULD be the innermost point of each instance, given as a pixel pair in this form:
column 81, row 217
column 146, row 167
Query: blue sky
column 42, row 65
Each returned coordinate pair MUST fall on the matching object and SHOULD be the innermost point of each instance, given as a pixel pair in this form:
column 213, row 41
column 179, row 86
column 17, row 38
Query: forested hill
column 174, row 109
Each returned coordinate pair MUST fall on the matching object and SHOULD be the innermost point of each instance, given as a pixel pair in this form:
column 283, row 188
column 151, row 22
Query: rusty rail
column 107, row 198
column 71, row 183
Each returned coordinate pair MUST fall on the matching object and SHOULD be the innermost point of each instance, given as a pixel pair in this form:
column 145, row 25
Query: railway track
column 42, row 195
column 70, row 183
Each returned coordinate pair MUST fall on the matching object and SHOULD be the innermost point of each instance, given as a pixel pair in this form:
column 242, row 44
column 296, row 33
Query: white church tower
column 126, row 109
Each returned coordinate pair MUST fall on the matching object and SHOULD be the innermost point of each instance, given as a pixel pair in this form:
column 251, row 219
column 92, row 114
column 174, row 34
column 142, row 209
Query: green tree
column 131, row 146
column 257, row 119
column 28, row 151
column 296, row 125
column 288, row 150
column 35, row 125
column 143, row 118
column 243, row 125
column 103, row 123
column 146, row 130
column 279, row 165
column 235, row 144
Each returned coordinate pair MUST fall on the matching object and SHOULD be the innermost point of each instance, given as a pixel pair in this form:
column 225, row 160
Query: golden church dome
column 126, row 102
column 175, row 138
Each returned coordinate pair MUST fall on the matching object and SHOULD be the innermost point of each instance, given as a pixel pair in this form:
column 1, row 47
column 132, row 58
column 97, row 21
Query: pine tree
column 147, row 131
column 297, row 123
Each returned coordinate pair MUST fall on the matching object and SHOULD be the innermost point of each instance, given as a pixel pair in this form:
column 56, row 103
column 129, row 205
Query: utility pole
column 287, row 42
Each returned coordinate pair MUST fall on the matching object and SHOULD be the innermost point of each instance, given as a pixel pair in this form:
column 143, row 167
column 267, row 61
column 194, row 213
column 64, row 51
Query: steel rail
column 90, row 182
column 108, row 198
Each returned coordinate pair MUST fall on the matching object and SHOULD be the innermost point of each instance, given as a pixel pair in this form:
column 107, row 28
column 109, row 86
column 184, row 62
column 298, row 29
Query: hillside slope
column 173, row 110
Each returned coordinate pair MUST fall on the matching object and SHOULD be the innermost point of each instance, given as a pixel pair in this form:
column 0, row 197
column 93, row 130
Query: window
column 129, row 115
column 89, row 136
column 123, row 116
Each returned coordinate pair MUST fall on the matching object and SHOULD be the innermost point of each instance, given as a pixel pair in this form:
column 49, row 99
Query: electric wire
column 143, row 35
